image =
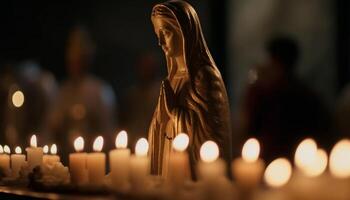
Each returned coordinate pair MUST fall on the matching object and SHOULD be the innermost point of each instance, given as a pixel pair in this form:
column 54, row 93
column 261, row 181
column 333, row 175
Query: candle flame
column 1, row 149
column 339, row 161
column 121, row 141
column 278, row 172
column 305, row 154
column 181, row 141
column 251, row 150
column 18, row 150
column 53, row 149
column 209, row 151
column 98, row 144
column 319, row 164
column 79, row 144
column 46, row 149
column 33, row 141
column 141, row 147
column 7, row 149
column 18, row 98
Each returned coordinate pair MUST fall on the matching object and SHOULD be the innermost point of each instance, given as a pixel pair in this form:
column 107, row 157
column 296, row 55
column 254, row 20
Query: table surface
column 22, row 193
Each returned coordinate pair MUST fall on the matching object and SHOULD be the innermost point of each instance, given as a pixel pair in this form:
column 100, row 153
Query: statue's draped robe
column 201, row 110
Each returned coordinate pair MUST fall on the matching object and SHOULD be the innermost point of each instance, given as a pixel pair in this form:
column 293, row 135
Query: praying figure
column 193, row 98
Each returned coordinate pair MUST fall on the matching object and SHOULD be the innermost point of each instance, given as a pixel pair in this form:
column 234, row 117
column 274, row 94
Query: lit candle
column 339, row 166
column 277, row 175
column 5, row 159
column 34, row 153
column 119, row 162
column 77, row 163
column 53, row 158
column 306, row 182
column 179, row 161
column 17, row 161
column 211, row 166
column 96, row 163
column 248, row 170
column 139, row 165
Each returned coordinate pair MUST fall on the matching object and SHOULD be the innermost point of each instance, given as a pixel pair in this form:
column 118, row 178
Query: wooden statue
column 193, row 96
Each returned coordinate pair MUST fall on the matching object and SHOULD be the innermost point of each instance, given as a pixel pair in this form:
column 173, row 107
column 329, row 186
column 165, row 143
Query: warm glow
column 7, row 149
column 339, row 161
column 79, row 144
column 33, row 141
column 141, row 147
column 305, row 154
column 180, row 143
column 209, row 151
column 319, row 164
column 251, row 150
column 18, row 150
column 98, row 144
column 53, row 149
column 278, row 172
column 1, row 149
column 121, row 141
column 18, row 98
column 46, row 149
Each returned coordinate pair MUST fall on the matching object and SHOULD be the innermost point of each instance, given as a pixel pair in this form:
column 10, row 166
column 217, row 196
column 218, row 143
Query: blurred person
column 84, row 105
column 26, row 93
column 278, row 108
column 143, row 96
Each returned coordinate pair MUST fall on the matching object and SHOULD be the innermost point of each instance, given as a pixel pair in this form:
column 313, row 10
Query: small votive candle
column 96, row 163
column 139, row 165
column 5, row 159
column 248, row 170
column 53, row 158
column 77, row 163
column 119, row 159
column 210, row 167
column 17, row 161
column 179, row 161
column 34, row 153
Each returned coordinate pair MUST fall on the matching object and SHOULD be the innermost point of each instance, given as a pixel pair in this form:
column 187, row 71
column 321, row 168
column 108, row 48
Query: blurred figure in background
column 143, row 97
column 85, row 105
column 26, row 93
column 278, row 108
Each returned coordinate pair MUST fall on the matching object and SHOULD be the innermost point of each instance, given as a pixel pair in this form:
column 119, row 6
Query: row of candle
column 125, row 168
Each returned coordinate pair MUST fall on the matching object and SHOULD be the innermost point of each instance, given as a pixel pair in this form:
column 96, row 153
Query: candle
column 77, row 163
column 139, row 165
column 248, row 170
column 211, row 166
column 179, row 161
column 17, row 161
column 119, row 162
column 34, row 153
column 5, row 159
column 96, row 163
column 53, row 158
column 306, row 182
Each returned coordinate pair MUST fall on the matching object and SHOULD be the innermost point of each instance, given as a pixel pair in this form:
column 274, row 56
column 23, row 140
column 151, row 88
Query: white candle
column 119, row 162
column 248, row 170
column 77, row 163
column 5, row 159
column 17, row 161
column 53, row 158
column 139, row 165
column 210, row 167
column 34, row 153
column 179, row 161
column 96, row 163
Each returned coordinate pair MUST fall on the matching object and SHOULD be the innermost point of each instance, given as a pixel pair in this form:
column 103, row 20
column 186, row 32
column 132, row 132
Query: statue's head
column 168, row 31
column 179, row 32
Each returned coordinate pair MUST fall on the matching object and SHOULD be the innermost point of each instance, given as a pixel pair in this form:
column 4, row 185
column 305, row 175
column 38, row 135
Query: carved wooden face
column 169, row 36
